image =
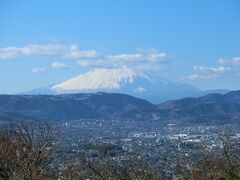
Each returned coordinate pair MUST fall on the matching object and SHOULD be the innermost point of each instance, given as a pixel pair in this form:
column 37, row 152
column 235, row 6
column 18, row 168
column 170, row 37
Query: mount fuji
column 142, row 84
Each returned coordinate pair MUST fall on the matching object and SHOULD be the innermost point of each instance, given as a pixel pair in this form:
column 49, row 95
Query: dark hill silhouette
column 212, row 108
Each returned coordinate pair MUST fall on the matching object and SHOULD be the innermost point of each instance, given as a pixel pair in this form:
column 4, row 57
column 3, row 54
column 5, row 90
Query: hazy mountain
column 74, row 106
column 212, row 108
column 146, row 85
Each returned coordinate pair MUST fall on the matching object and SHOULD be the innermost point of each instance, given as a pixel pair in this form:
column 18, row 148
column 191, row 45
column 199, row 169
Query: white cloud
column 152, row 56
column 232, row 61
column 74, row 52
column 125, row 57
column 59, row 65
column 156, row 56
column 144, row 59
column 139, row 89
column 141, row 60
column 220, row 69
column 83, row 63
column 30, row 50
column 199, row 76
column 94, row 63
column 38, row 70
column 206, row 72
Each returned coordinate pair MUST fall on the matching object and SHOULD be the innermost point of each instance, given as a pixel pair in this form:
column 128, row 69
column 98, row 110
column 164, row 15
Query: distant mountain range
column 212, row 108
column 215, row 108
column 74, row 106
column 142, row 84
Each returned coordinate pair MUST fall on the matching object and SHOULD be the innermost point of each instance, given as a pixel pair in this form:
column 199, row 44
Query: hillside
column 74, row 106
column 212, row 108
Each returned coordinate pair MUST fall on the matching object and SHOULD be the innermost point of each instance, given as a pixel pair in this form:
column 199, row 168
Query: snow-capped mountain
column 147, row 85
column 98, row 79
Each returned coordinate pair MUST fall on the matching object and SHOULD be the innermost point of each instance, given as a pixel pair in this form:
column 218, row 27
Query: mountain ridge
column 142, row 84
column 212, row 108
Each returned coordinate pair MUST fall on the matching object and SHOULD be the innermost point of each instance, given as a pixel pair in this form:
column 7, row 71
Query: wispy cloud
column 220, row 69
column 206, row 72
column 232, row 61
column 87, row 58
column 125, row 57
column 193, row 77
column 59, row 65
column 38, row 70
column 143, row 60
column 30, row 50
column 139, row 89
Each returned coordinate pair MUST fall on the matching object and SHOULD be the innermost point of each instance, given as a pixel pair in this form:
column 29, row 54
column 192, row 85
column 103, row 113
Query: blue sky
column 44, row 42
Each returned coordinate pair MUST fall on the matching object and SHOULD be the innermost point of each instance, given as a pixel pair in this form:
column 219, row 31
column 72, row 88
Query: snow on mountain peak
column 148, row 85
column 98, row 79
